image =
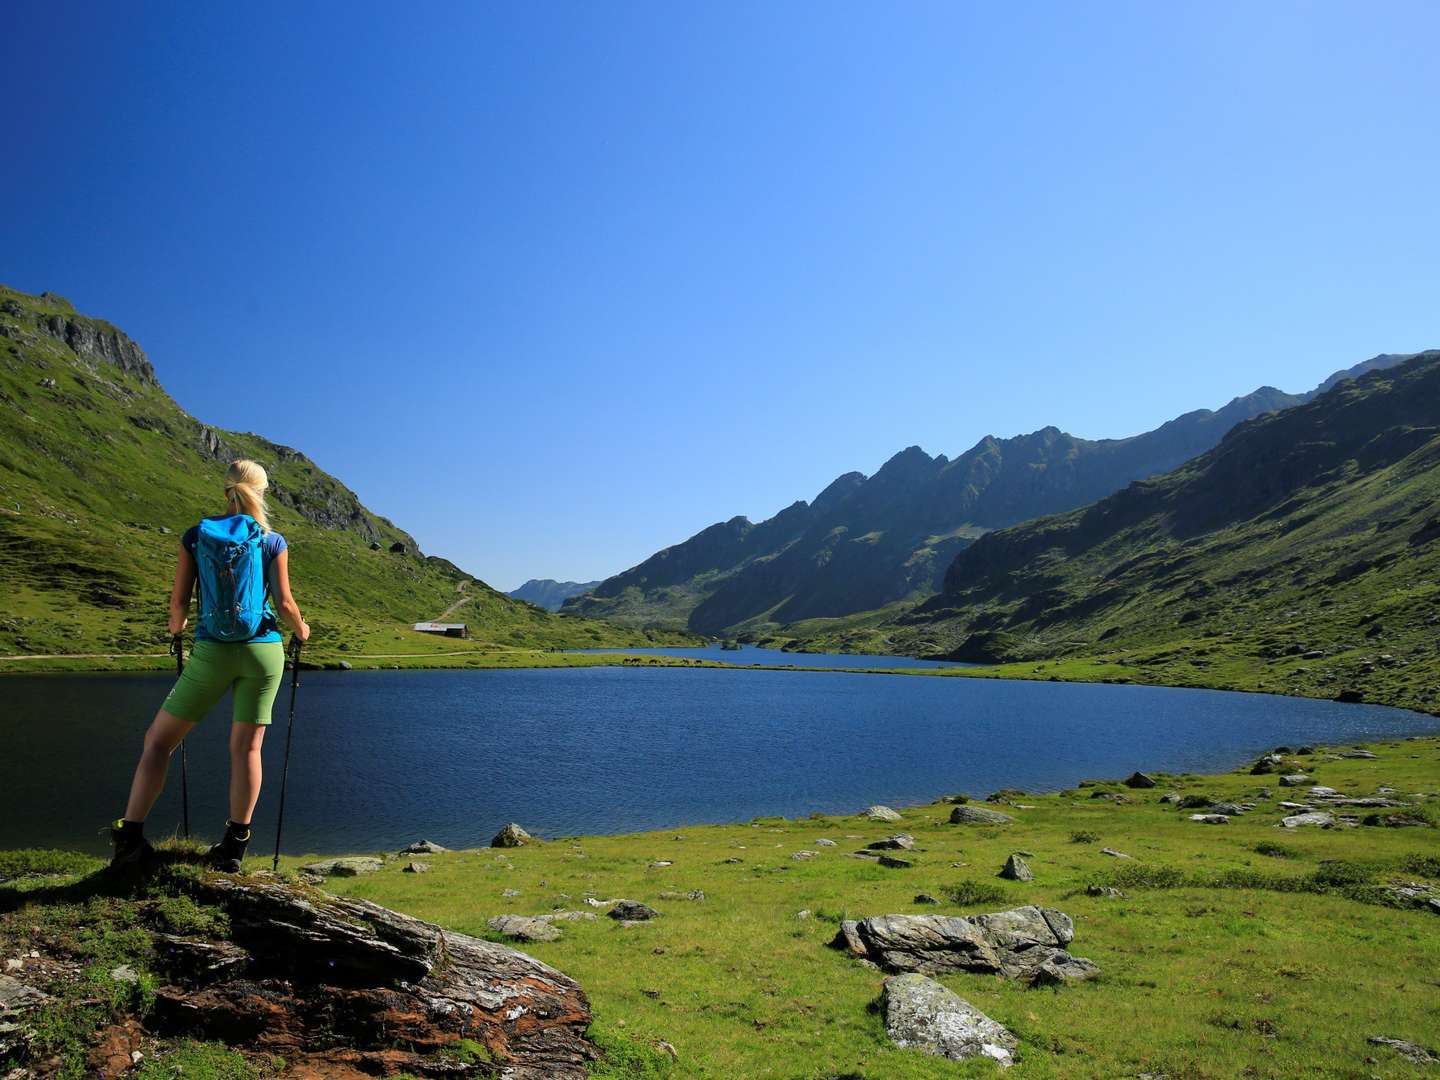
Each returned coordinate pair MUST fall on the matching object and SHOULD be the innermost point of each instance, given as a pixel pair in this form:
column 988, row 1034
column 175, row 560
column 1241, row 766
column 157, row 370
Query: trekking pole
column 177, row 646
column 289, row 735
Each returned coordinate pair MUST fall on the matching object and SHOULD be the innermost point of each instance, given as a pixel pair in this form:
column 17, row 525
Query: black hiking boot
column 227, row 855
column 132, row 850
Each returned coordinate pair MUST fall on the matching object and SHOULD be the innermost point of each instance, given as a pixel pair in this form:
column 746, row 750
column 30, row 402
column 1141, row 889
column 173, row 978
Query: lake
column 386, row 757
column 753, row 654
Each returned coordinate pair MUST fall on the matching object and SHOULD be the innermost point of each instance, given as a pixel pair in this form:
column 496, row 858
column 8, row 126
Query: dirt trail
column 464, row 599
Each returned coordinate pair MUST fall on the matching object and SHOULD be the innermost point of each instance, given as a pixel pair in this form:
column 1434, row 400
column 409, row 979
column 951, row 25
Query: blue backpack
column 231, row 571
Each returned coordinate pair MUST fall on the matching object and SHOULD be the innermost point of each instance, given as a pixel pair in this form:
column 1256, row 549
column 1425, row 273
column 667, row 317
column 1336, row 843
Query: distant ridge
column 867, row 543
column 548, row 593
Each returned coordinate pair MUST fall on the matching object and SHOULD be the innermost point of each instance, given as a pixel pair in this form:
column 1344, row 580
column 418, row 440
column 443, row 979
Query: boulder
column 1115, row 854
column 413, row 867
column 1413, row 1052
column 348, row 867
column 967, row 814
column 1210, row 819
column 1139, row 780
column 1170, row 797
column 524, row 927
column 1229, row 809
column 880, row 813
column 1267, row 764
column 1364, row 755
column 920, row 1014
column 1012, row 943
column 1196, row 802
column 924, row 898
column 824, row 842
column 423, row 847
column 512, row 835
column 1063, row 968
column 1108, row 891
column 632, row 911
column 1016, row 869
column 895, row 863
column 898, row 842
column 1321, row 819
column 316, row 960
column 1296, row 780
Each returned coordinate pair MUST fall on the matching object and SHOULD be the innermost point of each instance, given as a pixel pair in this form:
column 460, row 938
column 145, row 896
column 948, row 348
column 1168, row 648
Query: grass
column 1231, row 953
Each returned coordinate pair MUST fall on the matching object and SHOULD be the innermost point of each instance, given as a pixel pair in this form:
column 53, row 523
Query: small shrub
column 966, row 893
column 1084, row 836
column 623, row 1057
column 1335, row 873
column 1424, row 865
column 197, row 1061
column 1274, row 850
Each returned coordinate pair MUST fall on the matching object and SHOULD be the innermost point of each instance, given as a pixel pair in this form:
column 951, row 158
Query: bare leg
column 164, row 735
column 245, row 740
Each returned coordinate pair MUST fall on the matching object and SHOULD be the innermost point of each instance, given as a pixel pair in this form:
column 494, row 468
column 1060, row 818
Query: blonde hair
column 245, row 484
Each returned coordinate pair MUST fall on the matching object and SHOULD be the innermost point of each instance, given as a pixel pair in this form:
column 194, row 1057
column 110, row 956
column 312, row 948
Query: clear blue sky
column 553, row 286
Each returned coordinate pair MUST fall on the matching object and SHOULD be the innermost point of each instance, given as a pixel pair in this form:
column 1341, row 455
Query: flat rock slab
column 898, row 842
column 524, row 928
column 1014, row 943
column 920, row 1014
column 348, row 867
column 330, row 971
column 1210, row 819
column 1319, row 819
column 1296, row 780
column 966, row 814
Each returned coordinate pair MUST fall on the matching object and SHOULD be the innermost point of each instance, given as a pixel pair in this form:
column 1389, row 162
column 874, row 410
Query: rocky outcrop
column 339, row 983
column 1016, row 944
column 920, row 1014
column 93, row 341
column 512, row 835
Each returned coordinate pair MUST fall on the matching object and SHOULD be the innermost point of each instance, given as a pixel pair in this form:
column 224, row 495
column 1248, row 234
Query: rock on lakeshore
column 511, row 835
column 920, row 1014
column 1015, row 943
column 967, row 814
column 880, row 813
column 347, row 867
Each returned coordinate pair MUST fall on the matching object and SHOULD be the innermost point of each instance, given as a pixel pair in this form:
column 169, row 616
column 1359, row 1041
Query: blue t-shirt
column 271, row 544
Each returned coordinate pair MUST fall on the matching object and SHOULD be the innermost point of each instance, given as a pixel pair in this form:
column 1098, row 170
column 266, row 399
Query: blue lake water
column 382, row 758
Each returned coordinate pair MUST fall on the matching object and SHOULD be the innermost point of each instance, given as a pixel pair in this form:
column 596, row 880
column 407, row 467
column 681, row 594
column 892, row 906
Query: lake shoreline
column 1075, row 671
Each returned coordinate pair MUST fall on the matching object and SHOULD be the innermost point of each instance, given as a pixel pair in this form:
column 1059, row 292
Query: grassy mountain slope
column 100, row 471
column 1301, row 555
column 870, row 542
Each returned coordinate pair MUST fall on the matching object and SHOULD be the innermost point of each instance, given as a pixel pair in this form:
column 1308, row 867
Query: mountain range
column 548, row 593
column 884, row 542
column 100, row 470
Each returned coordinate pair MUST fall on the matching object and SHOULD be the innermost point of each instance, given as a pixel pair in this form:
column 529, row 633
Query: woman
column 244, row 655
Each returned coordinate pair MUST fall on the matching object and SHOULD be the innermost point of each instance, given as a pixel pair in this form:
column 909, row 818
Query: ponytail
column 245, row 484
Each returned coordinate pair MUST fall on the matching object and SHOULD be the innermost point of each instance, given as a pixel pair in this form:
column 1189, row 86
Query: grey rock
column 1320, row 819
column 1196, row 802
column 1170, row 797
column 413, row 867
column 423, row 847
column 978, row 815
column 124, row 973
column 1063, row 968
column 510, row 893
column 1408, row 1050
column 524, row 927
column 1012, row 943
column 512, row 835
column 1139, row 780
column 1267, row 764
column 632, row 911
column 895, row 863
column 1210, row 819
column 1115, row 854
column 880, row 813
column 1229, row 809
column 1365, row 755
column 1320, row 791
column 351, row 866
column 802, row 855
column 1016, row 869
column 823, row 842
column 924, row 898
column 692, row 894
column 920, row 1014
column 1108, row 891
column 898, row 842
column 1296, row 780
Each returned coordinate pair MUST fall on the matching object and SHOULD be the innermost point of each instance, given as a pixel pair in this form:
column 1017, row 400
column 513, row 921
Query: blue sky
column 553, row 286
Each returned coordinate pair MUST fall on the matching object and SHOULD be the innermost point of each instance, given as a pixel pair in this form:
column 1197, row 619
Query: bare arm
column 181, row 592
column 285, row 605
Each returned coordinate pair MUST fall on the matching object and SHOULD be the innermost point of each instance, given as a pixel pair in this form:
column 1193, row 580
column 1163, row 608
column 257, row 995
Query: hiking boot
column 131, row 848
column 227, row 855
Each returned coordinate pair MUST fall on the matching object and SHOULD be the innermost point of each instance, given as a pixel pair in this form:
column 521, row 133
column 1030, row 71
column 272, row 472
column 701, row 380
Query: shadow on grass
column 37, row 876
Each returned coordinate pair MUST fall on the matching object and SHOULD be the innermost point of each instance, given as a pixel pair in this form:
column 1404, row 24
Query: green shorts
column 252, row 671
